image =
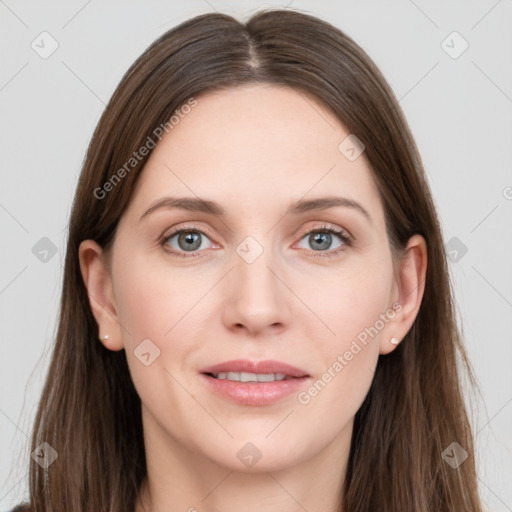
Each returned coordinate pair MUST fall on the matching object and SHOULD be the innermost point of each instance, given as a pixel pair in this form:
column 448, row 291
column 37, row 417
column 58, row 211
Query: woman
column 254, row 243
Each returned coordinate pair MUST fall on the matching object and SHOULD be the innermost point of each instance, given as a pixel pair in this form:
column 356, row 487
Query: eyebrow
column 194, row 204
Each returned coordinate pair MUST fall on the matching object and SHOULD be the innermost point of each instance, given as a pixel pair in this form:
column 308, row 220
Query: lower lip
column 254, row 393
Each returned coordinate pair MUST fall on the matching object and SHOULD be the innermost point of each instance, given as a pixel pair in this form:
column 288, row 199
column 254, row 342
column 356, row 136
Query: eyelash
column 346, row 239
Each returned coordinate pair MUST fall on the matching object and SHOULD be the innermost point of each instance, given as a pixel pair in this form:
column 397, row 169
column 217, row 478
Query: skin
column 253, row 149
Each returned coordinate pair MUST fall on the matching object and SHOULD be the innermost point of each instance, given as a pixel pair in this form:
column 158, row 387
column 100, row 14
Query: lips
column 260, row 367
column 254, row 383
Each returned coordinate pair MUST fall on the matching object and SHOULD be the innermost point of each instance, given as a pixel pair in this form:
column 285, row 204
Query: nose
column 257, row 299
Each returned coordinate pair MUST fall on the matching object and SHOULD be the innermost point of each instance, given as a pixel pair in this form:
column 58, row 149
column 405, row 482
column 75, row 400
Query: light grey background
column 459, row 110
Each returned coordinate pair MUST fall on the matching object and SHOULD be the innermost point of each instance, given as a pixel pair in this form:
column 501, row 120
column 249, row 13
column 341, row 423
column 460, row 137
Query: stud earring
column 104, row 338
column 394, row 341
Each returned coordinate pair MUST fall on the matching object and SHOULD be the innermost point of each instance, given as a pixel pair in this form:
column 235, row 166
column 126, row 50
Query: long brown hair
column 90, row 412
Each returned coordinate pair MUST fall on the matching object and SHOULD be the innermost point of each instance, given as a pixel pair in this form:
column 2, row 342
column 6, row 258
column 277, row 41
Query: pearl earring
column 104, row 338
column 394, row 341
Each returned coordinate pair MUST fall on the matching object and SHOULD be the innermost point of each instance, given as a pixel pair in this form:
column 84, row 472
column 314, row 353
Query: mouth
column 254, row 383
column 250, row 377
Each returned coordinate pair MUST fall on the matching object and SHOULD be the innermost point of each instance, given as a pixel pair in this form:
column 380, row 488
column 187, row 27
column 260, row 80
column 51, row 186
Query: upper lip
column 268, row 366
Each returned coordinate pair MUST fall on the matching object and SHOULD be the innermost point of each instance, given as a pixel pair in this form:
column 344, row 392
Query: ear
column 98, row 282
column 409, row 286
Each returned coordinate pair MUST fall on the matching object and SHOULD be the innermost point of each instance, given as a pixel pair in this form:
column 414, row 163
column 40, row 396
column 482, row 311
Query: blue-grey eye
column 322, row 240
column 187, row 240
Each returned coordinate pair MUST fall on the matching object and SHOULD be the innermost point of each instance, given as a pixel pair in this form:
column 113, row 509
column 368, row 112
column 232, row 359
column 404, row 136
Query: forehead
column 256, row 145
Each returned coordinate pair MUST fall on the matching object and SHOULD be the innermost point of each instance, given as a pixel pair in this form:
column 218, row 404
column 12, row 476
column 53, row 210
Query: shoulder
column 23, row 507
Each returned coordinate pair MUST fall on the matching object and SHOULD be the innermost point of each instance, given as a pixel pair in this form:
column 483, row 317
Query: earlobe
column 411, row 286
column 98, row 282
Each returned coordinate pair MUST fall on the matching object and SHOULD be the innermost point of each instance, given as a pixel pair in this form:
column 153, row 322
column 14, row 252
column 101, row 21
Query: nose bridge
column 256, row 294
column 254, row 257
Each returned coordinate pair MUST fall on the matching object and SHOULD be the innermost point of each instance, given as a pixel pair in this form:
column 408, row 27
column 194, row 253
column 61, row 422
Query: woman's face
column 250, row 283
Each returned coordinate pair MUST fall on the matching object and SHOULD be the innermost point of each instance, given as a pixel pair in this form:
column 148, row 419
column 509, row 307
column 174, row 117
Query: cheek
column 351, row 306
column 149, row 299
column 153, row 314
column 157, row 303
column 347, row 302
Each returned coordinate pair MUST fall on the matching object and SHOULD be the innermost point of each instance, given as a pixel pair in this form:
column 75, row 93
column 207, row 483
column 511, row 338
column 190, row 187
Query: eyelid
column 188, row 227
column 347, row 240
column 344, row 235
column 326, row 226
column 172, row 232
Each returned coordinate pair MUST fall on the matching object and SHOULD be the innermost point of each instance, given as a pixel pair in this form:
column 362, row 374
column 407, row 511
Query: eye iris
column 190, row 238
column 322, row 238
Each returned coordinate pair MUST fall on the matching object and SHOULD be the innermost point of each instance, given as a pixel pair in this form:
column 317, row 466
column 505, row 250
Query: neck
column 179, row 479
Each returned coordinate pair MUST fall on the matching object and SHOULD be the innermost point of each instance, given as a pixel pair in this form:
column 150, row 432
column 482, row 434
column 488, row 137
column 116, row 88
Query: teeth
column 250, row 377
